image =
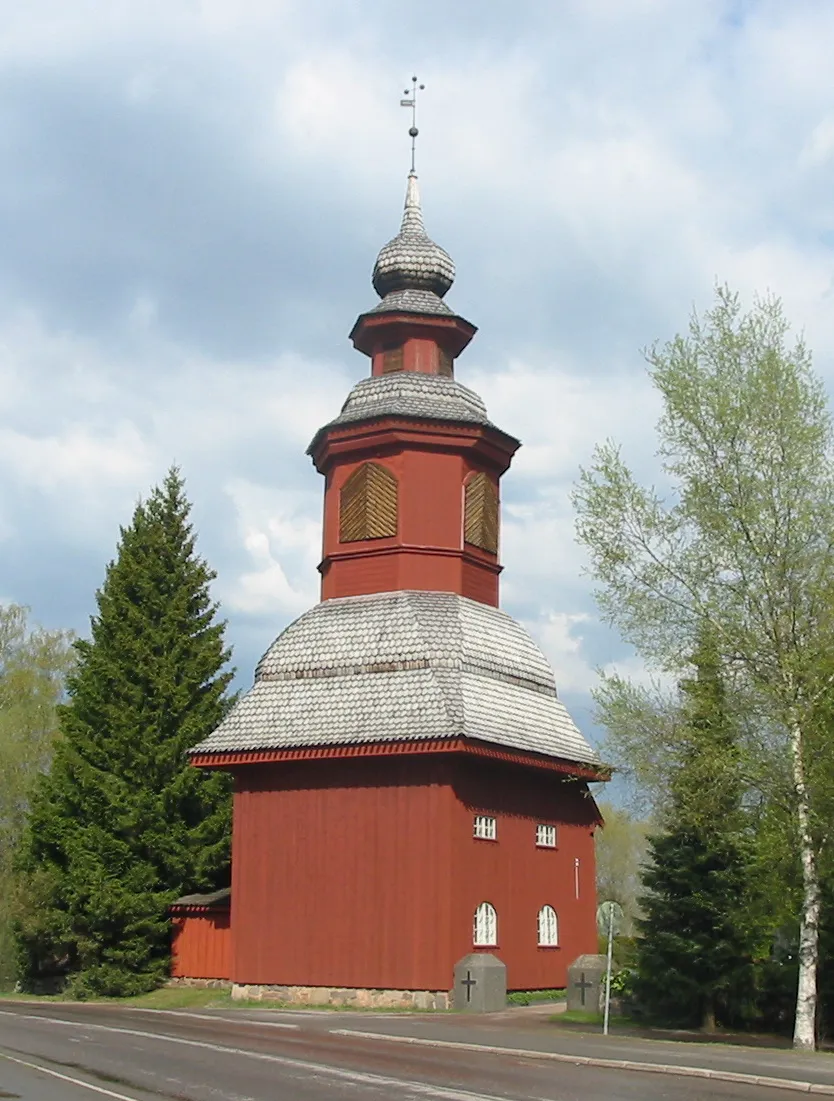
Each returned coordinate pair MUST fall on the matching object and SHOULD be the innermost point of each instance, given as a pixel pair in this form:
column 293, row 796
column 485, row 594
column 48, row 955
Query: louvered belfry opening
column 445, row 364
column 480, row 522
column 368, row 504
column 392, row 360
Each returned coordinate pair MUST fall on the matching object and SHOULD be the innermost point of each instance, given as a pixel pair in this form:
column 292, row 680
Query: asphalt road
column 61, row 1052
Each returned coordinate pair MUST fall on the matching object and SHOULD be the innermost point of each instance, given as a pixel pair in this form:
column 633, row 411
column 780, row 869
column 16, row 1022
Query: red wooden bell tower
column 408, row 786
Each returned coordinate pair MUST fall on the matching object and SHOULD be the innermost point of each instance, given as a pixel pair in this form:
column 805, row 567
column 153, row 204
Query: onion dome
column 412, row 261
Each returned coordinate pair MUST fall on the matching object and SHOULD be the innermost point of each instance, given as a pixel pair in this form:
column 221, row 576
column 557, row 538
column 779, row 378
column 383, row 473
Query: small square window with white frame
column 485, row 827
column 545, row 836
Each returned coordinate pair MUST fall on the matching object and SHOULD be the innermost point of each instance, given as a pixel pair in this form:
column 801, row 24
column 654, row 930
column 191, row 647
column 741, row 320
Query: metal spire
column 411, row 101
column 411, row 272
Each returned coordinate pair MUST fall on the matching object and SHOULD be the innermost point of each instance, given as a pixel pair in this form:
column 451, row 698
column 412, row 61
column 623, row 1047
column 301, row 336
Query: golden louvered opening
column 480, row 513
column 445, row 364
column 392, row 360
column 368, row 504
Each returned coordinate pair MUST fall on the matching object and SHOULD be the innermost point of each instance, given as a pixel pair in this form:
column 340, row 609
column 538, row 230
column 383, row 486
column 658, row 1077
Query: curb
column 818, row 1088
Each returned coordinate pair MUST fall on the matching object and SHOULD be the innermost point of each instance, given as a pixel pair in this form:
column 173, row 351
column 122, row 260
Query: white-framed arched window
column 485, row 931
column 548, row 928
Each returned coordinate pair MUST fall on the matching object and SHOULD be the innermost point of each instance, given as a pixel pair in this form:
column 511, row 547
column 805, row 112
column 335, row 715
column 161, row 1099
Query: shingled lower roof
column 216, row 900
column 409, row 394
column 413, row 301
column 402, row 666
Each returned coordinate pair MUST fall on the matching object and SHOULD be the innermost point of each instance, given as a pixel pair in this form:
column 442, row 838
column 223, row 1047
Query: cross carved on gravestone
column 480, row 983
column 583, row 986
column 469, row 982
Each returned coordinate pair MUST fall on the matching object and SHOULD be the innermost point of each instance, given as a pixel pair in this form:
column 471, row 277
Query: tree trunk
column 804, row 1033
column 708, row 1020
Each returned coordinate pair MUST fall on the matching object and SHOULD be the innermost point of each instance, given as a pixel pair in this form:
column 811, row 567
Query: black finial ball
column 413, row 131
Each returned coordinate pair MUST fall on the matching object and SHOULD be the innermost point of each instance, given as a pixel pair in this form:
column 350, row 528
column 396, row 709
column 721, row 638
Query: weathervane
column 411, row 101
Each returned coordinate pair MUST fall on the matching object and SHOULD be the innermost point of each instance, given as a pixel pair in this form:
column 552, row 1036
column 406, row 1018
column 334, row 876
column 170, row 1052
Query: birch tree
column 620, row 850
column 740, row 538
column 33, row 665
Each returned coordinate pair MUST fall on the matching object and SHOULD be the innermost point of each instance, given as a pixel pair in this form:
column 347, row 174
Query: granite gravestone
column 586, row 983
column 480, row 983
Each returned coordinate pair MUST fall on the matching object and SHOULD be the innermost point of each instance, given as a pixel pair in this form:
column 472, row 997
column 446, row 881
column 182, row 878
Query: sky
column 192, row 197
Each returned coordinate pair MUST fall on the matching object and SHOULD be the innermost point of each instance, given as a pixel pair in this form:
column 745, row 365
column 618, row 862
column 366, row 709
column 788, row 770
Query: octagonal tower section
column 412, row 464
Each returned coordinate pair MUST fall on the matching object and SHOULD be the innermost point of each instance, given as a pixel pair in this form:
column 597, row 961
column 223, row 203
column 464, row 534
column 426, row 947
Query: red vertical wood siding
column 478, row 583
column 432, row 501
column 455, row 572
column 365, row 873
column 517, row 876
column 428, row 551
column 419, row 354
column 341, row 874
column 201, row 945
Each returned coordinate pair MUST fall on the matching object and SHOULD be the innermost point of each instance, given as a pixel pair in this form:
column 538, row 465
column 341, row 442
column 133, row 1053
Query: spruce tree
column 122, row 823
column 694, row 960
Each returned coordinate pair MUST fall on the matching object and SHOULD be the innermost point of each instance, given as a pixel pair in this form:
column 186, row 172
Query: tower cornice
column 377, row 330
column 463, row 746
column 381, row 435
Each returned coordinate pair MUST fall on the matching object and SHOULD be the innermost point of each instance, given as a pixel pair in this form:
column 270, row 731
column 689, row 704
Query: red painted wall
column 365, row 873
column 428, row 551
column 516, row 876
column 410, row 569
column 201, row 945
column 341, row 874
column 476, row 583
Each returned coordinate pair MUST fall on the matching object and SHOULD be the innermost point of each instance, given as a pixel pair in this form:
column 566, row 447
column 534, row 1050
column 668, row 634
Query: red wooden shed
column 201, row 937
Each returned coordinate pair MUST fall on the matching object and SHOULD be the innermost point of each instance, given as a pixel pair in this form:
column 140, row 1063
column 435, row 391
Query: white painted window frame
column 485, row 827
column 485, row 926
column 545, row 836
column 548, row 927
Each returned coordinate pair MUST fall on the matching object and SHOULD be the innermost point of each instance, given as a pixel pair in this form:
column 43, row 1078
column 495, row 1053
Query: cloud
column 76, row 459
column 193, row 196
column 820, row 144
column 282, row 538
column 554, row 633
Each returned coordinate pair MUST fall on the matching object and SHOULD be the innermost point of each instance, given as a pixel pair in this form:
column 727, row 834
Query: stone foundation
column 204, row 984
column 335, row 996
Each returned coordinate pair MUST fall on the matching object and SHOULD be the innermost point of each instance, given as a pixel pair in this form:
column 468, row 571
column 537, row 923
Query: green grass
column 530, row 997
column 583, row 1017
column 577, row 1017
column 166, row 997
column 179, row 997
column 11, row 996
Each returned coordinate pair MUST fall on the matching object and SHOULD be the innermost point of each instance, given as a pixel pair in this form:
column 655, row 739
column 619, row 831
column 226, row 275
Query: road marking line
column 605, row 1064
column 66, row 1078
column 205, row 1016
column 445, row 1093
